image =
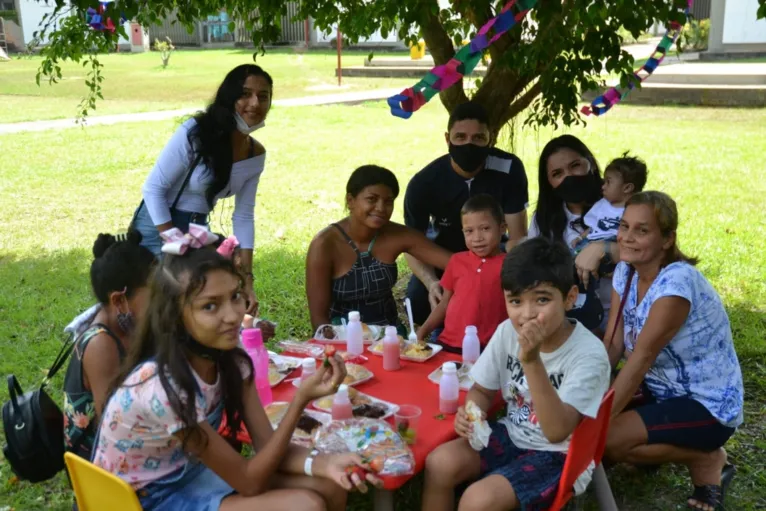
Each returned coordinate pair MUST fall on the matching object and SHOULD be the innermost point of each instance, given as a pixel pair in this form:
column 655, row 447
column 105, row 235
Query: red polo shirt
column 477, row 297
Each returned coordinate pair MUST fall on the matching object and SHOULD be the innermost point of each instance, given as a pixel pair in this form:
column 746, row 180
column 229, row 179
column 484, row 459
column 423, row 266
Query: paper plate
column 466, row 382
column 358, row 399
column 435, row 348
column 375, row 332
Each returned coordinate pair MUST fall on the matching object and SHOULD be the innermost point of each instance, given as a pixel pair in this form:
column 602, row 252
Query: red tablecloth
column 408, row 385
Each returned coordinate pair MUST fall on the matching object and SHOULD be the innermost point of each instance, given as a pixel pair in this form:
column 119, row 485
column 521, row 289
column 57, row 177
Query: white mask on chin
column 244, row 128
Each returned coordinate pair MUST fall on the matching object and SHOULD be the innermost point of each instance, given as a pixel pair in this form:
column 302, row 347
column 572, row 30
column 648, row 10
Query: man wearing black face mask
column 436, row 194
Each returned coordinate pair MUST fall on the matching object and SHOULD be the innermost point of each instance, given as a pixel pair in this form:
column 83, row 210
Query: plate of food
column 308, row 424
column 356, row 374
column 372, row 439
column 336, row 334
column 463, row 374
column 377, row 347
column 363, row 405
column 283, row 362
column 415, row 352
column 306, row 349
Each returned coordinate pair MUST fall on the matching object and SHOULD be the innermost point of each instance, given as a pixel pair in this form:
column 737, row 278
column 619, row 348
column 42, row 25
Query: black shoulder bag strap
column 186, row 180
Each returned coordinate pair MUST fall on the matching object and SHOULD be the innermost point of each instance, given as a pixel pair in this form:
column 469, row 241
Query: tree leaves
column 564, row 47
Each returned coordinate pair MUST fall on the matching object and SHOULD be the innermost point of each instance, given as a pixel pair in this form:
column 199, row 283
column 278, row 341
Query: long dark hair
column 161, row 335
column 550, row 216
column 211, row 136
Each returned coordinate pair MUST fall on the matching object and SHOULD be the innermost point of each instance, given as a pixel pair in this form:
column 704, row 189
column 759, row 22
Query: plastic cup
column 406, row 421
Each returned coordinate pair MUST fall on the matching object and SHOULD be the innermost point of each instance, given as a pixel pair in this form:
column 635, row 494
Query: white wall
column 740, row 23
column 31, row 13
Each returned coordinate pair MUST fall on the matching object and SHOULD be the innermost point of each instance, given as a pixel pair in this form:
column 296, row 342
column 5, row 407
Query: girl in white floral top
column 185, row 370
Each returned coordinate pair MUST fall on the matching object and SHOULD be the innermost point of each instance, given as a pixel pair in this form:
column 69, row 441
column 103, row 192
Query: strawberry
column 329, row 351
column 376, row 465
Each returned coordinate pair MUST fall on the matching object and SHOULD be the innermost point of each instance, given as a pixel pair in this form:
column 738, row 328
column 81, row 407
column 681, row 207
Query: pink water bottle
column 252, row 340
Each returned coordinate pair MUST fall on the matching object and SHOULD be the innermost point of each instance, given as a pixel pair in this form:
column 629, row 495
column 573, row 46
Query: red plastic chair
column 588, row 443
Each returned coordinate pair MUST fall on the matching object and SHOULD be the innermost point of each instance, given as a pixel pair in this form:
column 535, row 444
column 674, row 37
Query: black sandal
column 713, row 495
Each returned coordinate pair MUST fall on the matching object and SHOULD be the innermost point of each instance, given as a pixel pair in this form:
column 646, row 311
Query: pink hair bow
column 227, row 247
column 177, row 243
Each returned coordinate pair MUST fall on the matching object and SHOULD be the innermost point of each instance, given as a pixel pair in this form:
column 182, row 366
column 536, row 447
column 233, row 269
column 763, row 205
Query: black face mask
column 576, row 189
column 469, row 157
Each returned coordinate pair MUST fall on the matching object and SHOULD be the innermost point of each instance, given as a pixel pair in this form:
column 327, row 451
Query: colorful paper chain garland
column 612, row 96
column 466, row 59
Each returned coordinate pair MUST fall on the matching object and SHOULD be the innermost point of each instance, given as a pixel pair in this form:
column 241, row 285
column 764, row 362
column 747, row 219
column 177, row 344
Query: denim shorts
column 150, row 236
column 193, row 488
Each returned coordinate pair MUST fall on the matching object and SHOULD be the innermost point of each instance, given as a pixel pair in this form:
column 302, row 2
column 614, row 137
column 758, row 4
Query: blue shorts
column 682, row 422
column 534, row 475
column 150, row 236
column 193, row 488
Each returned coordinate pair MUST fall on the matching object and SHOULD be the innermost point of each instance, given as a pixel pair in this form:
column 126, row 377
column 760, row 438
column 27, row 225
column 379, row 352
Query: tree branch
column 522, row 103
column 442, row 50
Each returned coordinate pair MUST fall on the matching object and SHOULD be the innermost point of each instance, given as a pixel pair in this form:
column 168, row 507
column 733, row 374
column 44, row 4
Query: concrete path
column 325, row 99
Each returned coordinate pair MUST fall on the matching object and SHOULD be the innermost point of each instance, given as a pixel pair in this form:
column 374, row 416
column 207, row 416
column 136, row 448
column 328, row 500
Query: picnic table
column 409, row 385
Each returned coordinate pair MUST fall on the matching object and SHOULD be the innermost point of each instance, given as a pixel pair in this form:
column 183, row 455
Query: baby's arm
column 581, row 237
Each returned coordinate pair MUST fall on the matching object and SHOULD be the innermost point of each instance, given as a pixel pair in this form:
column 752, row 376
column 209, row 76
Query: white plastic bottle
column 354, row 340
column 449, row 389
column 341, row 405
column 471, row 346
column 391, row 349
column 309, row 366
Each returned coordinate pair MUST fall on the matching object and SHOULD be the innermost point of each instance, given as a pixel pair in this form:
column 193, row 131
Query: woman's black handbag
column 34, row 427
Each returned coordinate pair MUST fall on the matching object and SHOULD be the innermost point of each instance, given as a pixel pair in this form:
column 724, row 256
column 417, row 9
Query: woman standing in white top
column 210, row 157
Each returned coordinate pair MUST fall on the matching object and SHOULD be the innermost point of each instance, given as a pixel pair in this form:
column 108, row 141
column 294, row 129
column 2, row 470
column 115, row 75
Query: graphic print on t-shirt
column 609, row 224
column 516, row 392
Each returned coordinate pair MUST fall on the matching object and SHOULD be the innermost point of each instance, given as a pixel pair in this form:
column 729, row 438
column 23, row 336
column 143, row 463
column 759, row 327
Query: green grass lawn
column 60, row 188
column 137, row 82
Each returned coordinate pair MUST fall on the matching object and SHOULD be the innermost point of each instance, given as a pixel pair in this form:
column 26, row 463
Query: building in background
column 735, row 31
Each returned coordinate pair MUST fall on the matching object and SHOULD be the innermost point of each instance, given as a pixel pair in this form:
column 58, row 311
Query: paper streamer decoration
column 96, row 20
column 465, row 60
column 611, row 97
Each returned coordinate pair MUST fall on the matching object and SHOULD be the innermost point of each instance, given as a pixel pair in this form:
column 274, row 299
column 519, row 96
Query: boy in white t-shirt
column 623, row 177
column 550, row 370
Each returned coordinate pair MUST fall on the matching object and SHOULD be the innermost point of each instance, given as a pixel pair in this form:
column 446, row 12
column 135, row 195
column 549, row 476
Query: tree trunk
column 502, row 92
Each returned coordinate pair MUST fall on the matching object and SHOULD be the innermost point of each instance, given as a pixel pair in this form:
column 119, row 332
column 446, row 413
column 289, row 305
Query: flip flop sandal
column 713, row 494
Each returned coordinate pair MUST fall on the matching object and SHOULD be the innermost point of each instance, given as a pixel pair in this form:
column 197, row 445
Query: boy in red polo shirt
column 472, row 291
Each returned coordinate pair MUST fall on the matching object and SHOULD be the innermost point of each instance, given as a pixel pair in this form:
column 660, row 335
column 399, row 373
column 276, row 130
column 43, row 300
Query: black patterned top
column 367, row 288
column 80, row 426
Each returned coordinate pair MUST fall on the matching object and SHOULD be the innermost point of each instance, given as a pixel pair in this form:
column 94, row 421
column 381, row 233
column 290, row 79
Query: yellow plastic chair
column 98, row 490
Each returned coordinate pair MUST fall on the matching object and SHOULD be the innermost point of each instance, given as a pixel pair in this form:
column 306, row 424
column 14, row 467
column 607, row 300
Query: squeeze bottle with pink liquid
column 471, row 346
column 391, row 349
column 449, row 389
column 252, row 340
column 341, row 405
